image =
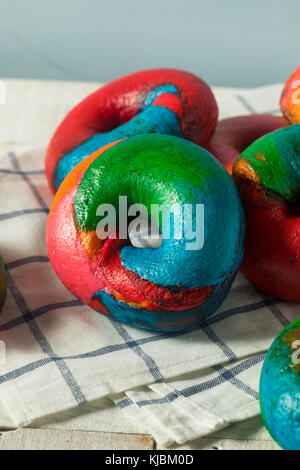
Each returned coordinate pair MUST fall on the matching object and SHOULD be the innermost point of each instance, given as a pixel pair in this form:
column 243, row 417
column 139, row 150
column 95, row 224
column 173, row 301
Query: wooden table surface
column 32, row 111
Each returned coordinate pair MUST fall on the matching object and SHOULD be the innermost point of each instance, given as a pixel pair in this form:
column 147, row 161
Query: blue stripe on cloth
column 236, row 382
column 21, row 172
column 216, row 340
column 274, row 309
column 273, row 111
column 27, row 260
column 25, row 177
column 279, row 315
column 245, row 103
column 149, row 361
column 242, row 309
column 11, row 215
column 33, row 314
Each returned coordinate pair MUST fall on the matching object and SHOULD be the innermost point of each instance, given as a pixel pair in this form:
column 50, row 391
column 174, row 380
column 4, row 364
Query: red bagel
column 234, row 134
column 119, row 101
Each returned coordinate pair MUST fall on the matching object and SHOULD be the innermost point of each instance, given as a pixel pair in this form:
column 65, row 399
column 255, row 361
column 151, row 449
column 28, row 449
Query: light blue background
column 233, row 42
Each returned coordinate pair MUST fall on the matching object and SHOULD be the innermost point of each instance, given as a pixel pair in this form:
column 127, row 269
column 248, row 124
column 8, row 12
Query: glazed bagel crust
column 184, row 106
column 166, row 288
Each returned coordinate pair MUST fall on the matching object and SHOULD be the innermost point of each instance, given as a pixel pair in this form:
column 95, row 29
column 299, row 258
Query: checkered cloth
column 61, row 354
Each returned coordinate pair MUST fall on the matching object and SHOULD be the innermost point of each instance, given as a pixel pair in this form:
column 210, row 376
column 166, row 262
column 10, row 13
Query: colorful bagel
column 165, row 288
column 290, row 98
column 2, row 283
column 280, row 388
column 158, row 101
column 267, row 175
column 233, row 135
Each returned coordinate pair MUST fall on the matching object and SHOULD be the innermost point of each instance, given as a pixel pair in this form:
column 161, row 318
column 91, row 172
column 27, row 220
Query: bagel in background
column 158, row 101
column 290, row 98
column 267, row 175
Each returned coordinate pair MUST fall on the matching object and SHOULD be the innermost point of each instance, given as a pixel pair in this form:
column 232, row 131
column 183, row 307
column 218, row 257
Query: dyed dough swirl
column 280, row 388
column 158, row 101
column 166, row 288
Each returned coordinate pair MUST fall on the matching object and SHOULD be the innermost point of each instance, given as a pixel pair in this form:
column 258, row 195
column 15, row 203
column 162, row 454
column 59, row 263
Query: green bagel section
column 280, row 388
column 146, row 169
column 274, row 162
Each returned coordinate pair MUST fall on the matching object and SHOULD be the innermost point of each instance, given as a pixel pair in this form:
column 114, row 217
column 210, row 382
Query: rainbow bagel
column 290, row 98
column 267, row 175
column 233, row 135
column 2, row 283
column 165, row 288
column 280, row 388
column 158, row 101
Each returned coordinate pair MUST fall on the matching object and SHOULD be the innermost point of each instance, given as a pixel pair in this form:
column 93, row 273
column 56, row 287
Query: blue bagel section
column 280, row 390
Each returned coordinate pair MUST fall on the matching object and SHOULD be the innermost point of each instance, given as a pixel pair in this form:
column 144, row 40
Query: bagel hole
column 144, row 233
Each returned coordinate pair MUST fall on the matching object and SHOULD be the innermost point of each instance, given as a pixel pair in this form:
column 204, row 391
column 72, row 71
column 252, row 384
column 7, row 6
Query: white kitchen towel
column 61, row 354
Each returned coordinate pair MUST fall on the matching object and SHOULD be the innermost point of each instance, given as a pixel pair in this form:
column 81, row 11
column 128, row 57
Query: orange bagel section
column 290, row 98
